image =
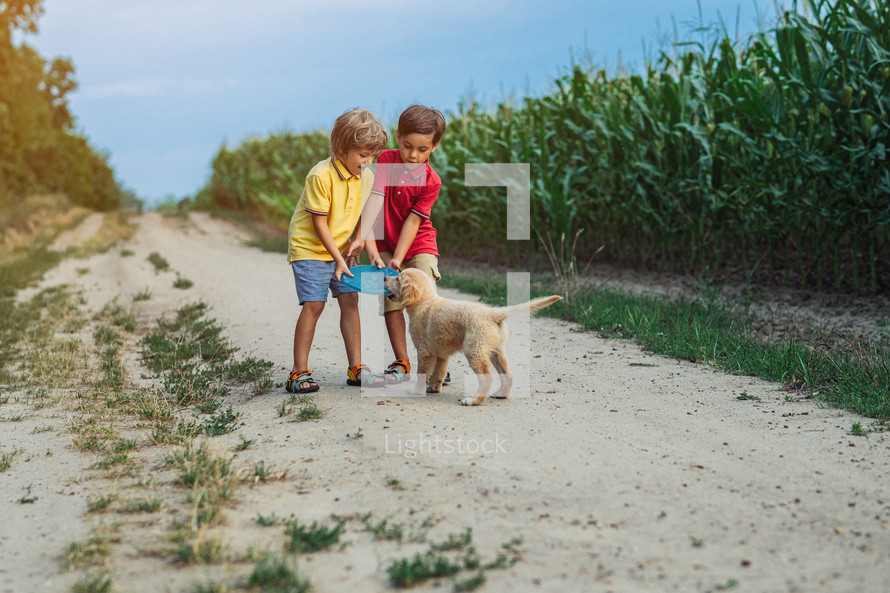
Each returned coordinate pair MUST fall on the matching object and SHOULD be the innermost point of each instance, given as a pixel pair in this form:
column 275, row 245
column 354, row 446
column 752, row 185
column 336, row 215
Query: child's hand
column 377, row 261
column 354, row 250
column 395, row 264
column 342, row 268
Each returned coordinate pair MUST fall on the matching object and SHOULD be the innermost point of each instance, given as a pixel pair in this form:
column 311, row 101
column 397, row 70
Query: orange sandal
column 361, row 376
column 297, row 378
column 395, row 374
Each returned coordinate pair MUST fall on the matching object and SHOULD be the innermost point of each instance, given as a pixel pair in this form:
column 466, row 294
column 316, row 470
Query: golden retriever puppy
column 440, row 327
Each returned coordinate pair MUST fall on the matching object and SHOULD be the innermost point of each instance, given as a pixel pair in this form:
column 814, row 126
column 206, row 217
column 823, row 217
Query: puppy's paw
column 470, row 401
column 434, row 388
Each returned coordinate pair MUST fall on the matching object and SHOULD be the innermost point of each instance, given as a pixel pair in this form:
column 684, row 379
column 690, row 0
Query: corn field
column 765, row 159
column 264, row 176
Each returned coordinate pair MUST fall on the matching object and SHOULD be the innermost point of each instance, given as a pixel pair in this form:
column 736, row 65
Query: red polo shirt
column 406, row 191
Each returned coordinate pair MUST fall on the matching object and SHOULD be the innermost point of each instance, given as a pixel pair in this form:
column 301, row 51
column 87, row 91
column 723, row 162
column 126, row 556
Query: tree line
column 41, row 151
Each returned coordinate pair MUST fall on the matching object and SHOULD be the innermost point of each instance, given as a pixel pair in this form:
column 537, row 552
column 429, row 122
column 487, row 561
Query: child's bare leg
column 395, row 328
column 305, row 332
column 350, row 327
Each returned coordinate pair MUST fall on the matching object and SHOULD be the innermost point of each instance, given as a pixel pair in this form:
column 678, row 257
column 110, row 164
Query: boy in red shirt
column 408, row 187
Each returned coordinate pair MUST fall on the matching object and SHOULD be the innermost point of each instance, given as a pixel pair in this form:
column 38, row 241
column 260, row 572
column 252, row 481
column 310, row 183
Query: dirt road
column 617, row 469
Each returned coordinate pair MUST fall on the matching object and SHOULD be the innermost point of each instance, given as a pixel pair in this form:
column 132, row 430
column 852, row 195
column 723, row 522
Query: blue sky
column 163, row 83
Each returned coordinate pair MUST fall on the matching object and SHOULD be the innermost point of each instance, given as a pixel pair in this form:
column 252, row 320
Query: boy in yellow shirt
column 326, row 216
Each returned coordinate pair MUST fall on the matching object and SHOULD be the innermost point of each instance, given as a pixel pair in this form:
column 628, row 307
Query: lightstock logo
column 516, row 178
column 411, row 446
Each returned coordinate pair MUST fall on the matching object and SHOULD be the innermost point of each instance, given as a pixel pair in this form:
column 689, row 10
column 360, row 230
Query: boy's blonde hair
column 357, row 128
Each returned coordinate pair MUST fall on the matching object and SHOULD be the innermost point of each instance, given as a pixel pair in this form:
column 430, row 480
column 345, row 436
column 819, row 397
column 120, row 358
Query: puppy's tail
column 532, row 305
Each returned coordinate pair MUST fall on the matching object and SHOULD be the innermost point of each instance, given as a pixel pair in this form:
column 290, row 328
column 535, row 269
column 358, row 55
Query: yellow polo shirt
column 332, row 191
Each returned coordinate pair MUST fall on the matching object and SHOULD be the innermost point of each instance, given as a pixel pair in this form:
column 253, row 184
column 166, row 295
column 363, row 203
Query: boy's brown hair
column 419, row 119
column 357, row 128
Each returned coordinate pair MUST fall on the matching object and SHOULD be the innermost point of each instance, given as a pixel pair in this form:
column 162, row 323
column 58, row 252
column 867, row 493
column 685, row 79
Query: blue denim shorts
column 314, row 279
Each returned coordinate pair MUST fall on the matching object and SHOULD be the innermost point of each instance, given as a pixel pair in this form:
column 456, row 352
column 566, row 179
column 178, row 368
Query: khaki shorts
column 427, row 262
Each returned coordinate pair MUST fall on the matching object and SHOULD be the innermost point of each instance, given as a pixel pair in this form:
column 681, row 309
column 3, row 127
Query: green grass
column 408, row 572
column 191, row 364
column 6, row 460
column 261, row 471
column 394, row 484
column 309, row 412
column 709, row 332
column 96, row 582
column 211, row 587
column 142, row 295
column 209, row 477
column 28, row 329
column 27, row 498
column 188, row 336
column 118, row 316
column 382, row 530
column 454, row 542
column 101, row 502
column 471, row 583
column 191, row 384
column 91, row 552
column 274, row 574
column 141, row 505
column 302, row 538
column 308, row 409
column 219, row 423
column 194, row 365
column 158, row 261
column 197, row 367
column 111, row 461
column 244, row 443
column 268, row 520
column 124, row 445
column 453, row 558
column 205, row 551
column 251, row 370
column 196, row 362
column 25, row 268
column 182, row 283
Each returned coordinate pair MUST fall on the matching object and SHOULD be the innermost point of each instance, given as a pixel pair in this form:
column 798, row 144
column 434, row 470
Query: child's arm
column 365, row 228
column 355, row 246
column 370, row 216
column 373, row 253
column 320, row 222
column 406, row 238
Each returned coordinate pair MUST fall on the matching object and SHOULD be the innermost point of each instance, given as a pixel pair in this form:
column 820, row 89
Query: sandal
column 361, row 376
column 394, row 374
column 297, row 378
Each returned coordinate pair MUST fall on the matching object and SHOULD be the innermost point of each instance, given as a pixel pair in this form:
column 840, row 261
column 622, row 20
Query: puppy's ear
column 407, row 290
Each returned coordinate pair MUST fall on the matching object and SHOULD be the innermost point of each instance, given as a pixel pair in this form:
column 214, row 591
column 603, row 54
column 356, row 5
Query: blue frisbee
column 368, row 279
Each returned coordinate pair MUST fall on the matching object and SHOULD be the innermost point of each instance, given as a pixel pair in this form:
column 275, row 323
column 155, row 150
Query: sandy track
column 620, row 470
